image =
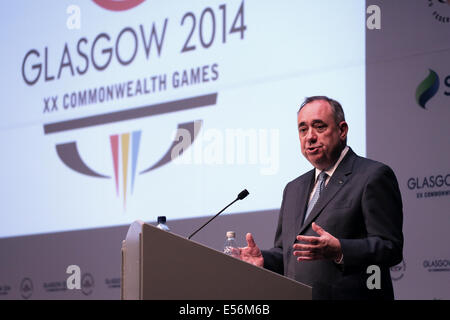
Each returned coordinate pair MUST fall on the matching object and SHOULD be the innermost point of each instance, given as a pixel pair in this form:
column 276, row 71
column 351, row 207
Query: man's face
column 321, row 138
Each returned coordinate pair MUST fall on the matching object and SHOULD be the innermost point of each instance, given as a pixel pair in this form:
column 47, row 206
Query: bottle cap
column 162, row 219
column 231, row 234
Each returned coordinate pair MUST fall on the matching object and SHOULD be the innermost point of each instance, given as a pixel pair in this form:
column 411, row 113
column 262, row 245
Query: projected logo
column 118, row 5
column 427, row 89
column 124, row 147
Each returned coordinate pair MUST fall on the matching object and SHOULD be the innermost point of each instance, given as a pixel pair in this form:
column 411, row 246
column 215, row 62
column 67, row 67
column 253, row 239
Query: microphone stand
column 212, row 219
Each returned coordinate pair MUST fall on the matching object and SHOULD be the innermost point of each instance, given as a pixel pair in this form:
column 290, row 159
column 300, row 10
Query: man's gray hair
column 338, row 112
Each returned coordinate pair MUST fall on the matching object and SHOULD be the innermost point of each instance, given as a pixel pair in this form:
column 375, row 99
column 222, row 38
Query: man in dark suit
column 337, row 219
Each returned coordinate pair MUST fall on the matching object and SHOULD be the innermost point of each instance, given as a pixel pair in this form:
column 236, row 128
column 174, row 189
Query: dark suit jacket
column 362, row 207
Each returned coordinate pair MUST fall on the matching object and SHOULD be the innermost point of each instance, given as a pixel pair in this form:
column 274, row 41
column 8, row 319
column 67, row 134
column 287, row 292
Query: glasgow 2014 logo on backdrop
column 125, row 146
column 118, row 5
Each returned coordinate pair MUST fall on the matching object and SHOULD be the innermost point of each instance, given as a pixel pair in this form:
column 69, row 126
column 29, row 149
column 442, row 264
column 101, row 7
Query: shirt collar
column 330, row 171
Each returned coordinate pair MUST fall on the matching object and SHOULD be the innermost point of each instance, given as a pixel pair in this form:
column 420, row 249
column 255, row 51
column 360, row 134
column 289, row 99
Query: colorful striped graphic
column 125, row 140
column 136, row 138
column 115, row 154
column 122, row 146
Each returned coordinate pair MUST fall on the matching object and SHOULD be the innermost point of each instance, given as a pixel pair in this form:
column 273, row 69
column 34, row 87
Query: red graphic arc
column 115, row 5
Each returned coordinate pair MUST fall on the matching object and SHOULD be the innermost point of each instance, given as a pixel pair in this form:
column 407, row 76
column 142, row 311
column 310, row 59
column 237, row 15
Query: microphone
column 240, row 196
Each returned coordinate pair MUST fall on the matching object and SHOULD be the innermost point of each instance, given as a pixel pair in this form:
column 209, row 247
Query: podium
column 159, row 265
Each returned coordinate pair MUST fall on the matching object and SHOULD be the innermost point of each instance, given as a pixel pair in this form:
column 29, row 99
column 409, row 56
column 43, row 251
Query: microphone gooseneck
column 240, row 196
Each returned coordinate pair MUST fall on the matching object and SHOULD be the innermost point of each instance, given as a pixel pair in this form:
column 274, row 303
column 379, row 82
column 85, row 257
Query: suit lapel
column 303, row 190
column 337, row 181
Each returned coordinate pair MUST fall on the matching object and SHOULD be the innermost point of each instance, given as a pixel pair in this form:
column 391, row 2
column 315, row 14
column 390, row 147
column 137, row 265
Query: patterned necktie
column 320, row 185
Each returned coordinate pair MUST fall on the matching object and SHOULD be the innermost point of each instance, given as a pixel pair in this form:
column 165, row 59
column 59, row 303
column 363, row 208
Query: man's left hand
column 318, row 248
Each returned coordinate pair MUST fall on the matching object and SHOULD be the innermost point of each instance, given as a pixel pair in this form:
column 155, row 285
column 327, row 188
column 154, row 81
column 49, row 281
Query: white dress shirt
column 329, row 172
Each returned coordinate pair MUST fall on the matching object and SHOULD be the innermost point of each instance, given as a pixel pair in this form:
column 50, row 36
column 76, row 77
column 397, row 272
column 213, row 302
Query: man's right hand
column 251, row 252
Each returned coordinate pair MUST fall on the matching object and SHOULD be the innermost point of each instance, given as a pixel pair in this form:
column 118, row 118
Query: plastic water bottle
column 230, row 248
column 162, row 223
